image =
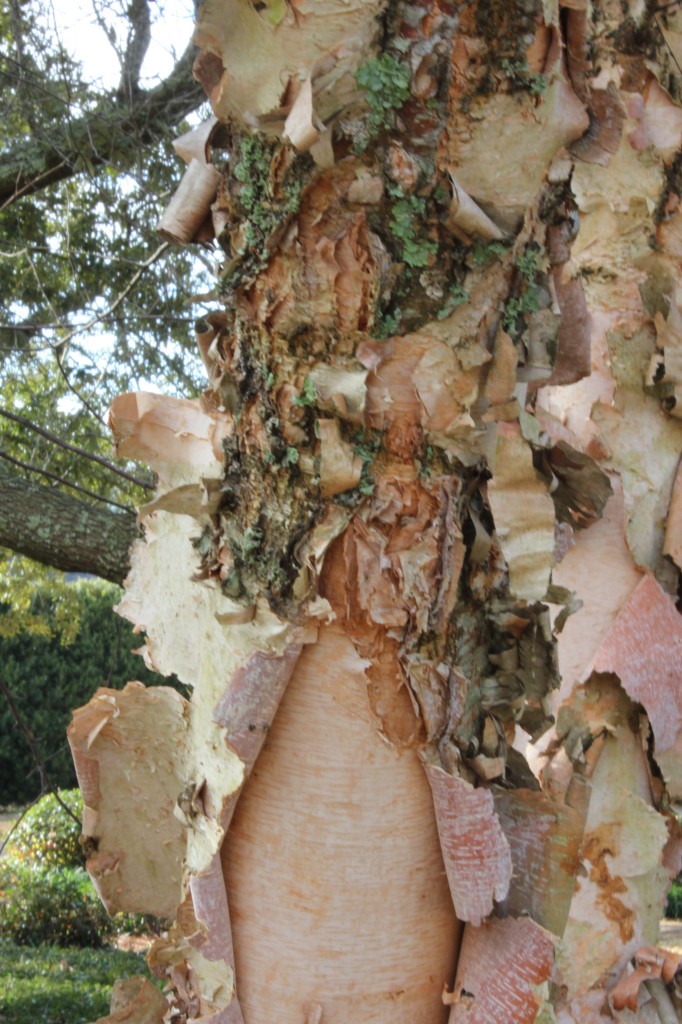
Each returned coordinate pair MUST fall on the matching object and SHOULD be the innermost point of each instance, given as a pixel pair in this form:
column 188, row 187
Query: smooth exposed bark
column 52, row 527
column 112, row 133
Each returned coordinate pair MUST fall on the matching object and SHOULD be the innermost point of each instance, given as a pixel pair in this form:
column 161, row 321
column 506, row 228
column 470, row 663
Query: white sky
column 86, row 40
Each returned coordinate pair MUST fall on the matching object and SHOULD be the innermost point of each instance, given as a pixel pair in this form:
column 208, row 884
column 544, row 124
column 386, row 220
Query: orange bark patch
column 644, row 649
column 324, row 274
column 335, row 877
column 650, row 962
column 390, row 579
column 161, row 431
column 610, row 886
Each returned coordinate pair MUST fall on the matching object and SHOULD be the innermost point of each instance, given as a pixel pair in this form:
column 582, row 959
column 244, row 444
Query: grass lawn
column 50, row 985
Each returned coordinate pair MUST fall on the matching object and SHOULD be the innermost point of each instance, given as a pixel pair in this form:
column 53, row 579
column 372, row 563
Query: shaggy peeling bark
column 441, row 413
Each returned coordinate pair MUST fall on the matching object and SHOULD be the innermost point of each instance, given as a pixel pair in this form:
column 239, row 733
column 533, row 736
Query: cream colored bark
column 449, row 346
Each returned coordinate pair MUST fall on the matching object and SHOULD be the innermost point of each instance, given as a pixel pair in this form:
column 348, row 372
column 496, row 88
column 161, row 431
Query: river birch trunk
column 416, row 549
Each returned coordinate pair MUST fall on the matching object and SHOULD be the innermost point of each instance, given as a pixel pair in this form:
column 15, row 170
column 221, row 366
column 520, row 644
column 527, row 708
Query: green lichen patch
column 530, row 266
column 407, row 225
column 486, row 252
column 456, row 296
column 368, row 444
column 308, row 395
column 385, row 82
column 387, row 323
column 429, row 265
column 521, row 77
column 264, row 199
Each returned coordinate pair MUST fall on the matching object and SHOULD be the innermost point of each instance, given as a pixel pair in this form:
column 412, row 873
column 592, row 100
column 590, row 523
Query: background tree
column 91, row 304
column 90, row 307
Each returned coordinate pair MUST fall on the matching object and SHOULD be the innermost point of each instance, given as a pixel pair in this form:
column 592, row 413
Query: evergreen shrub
column 57, row 906
column 47, row 836
column 48, row 680
column 46, row 895
column 674, row 904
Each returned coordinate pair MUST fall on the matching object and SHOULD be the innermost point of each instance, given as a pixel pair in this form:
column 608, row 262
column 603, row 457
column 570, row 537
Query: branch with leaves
column 112, row 133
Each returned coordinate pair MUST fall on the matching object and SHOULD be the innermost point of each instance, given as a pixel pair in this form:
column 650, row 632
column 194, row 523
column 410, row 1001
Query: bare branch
column 74, row 448
column 61, row 480
column 102, row 135
column 139, row 38
column 58, row 351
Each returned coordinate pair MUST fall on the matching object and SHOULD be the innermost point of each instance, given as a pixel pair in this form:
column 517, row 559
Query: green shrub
column 48, row 680
column 46, row 895
column 47, row 836
column 674, row 905
column 56, row 906
column 52, row 985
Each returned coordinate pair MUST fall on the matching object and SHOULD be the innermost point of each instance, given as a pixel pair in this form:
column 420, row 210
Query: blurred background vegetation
column 59, row 952
column 52, row 669
column 92, row 304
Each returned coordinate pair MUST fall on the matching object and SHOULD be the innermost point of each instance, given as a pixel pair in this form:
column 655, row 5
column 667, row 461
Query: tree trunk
column 449, row 346
column 52, row 527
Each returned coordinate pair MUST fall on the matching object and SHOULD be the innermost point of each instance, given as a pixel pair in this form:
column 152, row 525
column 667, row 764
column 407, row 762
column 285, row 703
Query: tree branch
column 20, row 464
column 22, row 421
column 112, row 132
column 139, row 38
column 56, row 529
